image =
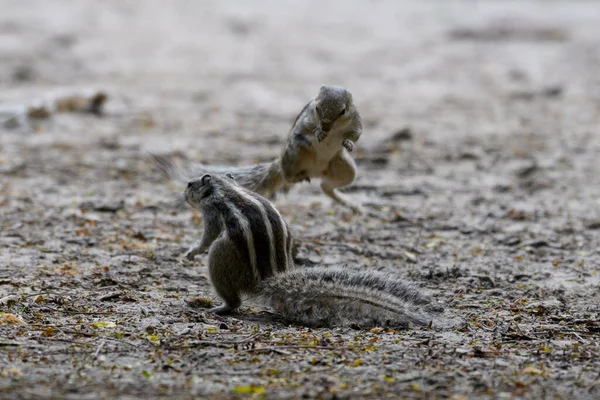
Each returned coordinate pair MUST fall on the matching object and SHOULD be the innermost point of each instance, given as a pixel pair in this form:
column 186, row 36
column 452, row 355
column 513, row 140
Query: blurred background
column 247, row 68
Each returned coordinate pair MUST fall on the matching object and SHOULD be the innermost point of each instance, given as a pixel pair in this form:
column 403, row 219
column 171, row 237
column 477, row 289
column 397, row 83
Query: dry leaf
column 66, row 269
column 10, row 319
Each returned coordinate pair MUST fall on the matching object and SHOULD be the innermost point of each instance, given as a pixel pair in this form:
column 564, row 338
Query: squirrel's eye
column 343, row 112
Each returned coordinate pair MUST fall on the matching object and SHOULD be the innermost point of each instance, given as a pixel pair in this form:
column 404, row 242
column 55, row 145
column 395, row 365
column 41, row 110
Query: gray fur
column 334, row 297
column 319, row 143
column 246, row 236
column 263, row 178
column 250, row 252
column 332, row 102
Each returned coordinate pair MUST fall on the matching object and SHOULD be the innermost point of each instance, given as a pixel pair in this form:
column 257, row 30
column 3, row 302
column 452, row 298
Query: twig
column 3, row 344
column 66, row 351
column 387, row 255
column 64, row 340
column 122, row 341
column 57, row 326
column 267, row 349
column 577, row 336
column 100, row 346
column 91, row 312
column 79, row 333
column 198, row 343
column 418, row 238
column 216, row 343
column 409, row 377
column 277, row 348
column 228, row 373
column 253, row 371
column 564, row 332
column 110, row 296
column 140, row 255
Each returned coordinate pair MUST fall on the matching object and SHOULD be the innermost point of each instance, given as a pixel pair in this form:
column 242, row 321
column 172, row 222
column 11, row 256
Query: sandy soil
column 481, row 144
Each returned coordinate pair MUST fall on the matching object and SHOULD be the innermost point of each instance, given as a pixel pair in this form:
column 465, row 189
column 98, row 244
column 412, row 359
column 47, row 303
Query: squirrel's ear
column 228, row 174
column 205, row 179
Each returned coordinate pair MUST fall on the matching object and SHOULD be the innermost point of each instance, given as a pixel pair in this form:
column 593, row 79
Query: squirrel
column 250, row 253
column 318, row 146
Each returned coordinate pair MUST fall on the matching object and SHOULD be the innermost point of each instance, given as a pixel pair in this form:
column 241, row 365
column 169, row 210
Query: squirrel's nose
column 189, row 185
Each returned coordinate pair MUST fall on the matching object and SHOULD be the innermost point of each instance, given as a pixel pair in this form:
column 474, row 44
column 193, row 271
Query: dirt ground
column 480, row 145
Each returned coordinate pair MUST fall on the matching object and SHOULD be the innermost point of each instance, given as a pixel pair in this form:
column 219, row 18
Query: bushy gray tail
column 334, row 297
column 263, row 178
column 168, row 168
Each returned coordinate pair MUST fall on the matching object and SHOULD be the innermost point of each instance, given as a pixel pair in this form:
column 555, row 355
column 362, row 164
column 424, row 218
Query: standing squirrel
column 317, row 146
column 250, row 254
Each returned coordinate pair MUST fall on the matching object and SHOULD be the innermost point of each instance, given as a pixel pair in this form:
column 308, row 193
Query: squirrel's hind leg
column 230, row 282
column 297, row 160
column 340, row 172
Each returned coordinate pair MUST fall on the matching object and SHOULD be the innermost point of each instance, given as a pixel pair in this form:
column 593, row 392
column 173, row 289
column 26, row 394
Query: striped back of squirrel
column 259, row 233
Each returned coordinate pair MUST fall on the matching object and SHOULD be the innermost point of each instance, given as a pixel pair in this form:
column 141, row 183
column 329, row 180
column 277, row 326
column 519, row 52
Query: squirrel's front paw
column 321, row 135
column 221, row 310
column 357, row 209
column 303, row 177
column 348, row 144
column 191, row 253
column 299, row 177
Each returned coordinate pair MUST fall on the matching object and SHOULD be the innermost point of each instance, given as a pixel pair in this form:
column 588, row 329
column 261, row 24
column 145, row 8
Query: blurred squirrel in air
column 318, row 146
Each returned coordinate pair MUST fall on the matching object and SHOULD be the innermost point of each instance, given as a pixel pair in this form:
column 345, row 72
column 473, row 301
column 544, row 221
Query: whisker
column 178, row 203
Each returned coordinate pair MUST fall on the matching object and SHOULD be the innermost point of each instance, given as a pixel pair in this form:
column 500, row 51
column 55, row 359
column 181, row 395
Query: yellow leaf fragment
column 249, row 389
column 154, row 339
column 103, row 325
column 532, row 371
column 432, row 244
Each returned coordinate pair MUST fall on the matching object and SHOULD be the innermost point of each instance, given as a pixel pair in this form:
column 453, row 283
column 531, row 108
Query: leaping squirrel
column 318, row 146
